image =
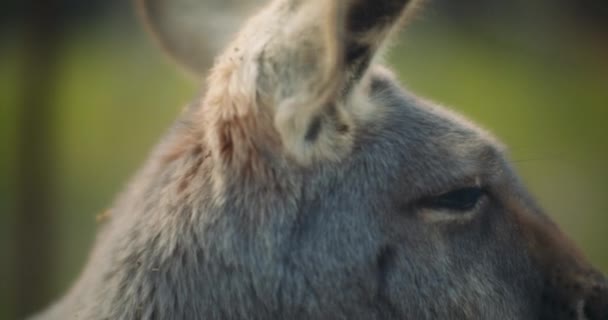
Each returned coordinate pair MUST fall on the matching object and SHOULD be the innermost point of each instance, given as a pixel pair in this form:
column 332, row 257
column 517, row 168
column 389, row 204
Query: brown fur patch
column 242, row 141
column 179, row 148
column 238, row 127
column 196, row 153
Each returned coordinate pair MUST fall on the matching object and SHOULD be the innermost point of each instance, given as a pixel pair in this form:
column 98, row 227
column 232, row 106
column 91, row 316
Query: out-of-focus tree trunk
column 35, row 222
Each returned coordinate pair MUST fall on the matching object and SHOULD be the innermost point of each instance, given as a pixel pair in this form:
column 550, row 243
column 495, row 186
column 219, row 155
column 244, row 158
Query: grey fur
column 209, row 230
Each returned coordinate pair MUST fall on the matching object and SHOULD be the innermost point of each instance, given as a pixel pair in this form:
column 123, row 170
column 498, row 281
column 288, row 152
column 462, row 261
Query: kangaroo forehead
column 432, row 122
column 427, row 141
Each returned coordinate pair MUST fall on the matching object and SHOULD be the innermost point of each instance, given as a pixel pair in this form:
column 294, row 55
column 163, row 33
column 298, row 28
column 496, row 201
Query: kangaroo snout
column 572, row 287
column 575, row 294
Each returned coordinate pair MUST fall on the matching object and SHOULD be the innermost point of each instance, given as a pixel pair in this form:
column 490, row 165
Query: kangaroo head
column 307, row 184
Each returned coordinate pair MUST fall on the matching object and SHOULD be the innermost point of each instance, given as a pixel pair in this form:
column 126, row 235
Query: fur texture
column 293, row 190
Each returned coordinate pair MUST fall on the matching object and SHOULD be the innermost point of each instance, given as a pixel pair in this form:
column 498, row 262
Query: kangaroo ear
column 309, row 83
column 300, row 61
column 192, row 32
column 317, row 59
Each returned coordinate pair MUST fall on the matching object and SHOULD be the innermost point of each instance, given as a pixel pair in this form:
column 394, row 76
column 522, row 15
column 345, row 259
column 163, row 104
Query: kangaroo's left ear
column 193, row 31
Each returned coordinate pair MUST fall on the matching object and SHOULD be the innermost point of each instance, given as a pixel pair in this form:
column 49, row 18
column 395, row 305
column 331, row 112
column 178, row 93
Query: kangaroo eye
column 460, row 200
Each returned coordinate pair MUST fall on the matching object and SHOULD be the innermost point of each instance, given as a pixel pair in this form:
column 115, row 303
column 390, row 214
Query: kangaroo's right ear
column 193, row 31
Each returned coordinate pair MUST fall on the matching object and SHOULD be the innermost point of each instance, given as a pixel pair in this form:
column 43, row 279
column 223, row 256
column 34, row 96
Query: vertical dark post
column 34, row 240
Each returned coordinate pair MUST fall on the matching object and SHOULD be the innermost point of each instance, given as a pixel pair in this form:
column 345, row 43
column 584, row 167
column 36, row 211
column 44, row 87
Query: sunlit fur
column 292, row 188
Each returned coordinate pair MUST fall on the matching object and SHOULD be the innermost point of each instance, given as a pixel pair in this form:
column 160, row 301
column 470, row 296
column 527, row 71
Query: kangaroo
column 306, row 183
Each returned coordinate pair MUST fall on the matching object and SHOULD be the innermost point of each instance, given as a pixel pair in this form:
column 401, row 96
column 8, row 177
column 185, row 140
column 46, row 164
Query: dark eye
column 464, row 199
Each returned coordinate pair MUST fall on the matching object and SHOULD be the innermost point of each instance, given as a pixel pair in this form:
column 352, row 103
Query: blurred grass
column 8, row 80
column 116, row 95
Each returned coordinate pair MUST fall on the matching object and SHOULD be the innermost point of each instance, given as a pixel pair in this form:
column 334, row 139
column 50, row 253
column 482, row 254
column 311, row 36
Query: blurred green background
column 84, row 95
